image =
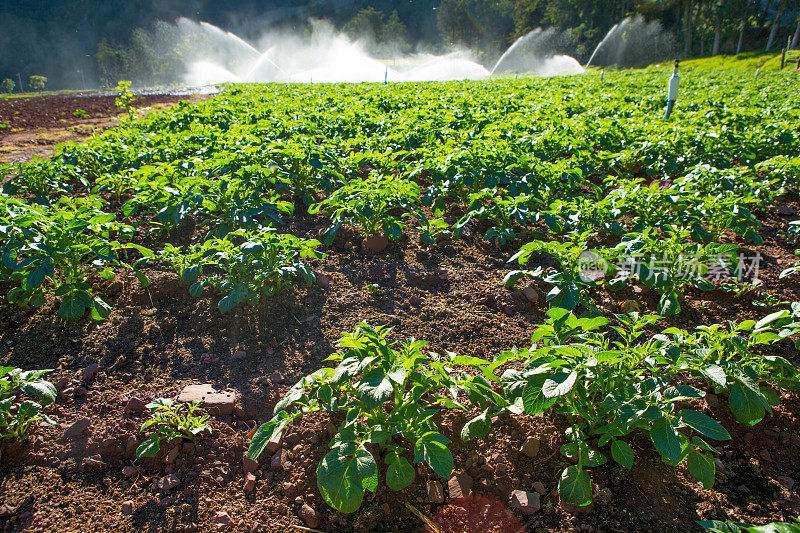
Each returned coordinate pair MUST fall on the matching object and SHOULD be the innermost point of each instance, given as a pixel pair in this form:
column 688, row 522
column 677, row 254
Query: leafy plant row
column 609, row 381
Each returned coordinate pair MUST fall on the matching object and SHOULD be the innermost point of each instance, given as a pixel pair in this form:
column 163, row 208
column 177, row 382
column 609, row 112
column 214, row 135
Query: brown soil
column 34, row 126
column 158, row 339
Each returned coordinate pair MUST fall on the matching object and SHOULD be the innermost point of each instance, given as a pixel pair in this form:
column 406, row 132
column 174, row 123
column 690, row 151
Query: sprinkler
column 672, row 90
column 758, row 72
column 602, row 75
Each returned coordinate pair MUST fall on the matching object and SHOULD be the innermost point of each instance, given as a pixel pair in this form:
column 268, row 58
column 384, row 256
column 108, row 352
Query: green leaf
column 375, row 388
column 265, row 433
column 575, row 486
column 345, row 474
column 745, row 405
column 704, row 425
column 622, row 453
column 399, row 474
column 44, row 391
column 149, row 447
column 701, row 467
column 100, row 309
column 669, row 304
column 477, row 428
column 533, row 397
column 666, row 439
column 72, row 307
column 432, row 448
column 559, row 384
column 566, row 296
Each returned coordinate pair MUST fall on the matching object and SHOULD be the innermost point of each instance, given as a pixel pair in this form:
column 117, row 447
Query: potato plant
column 387, row 396
column 17, row 414
column 375, row 205
column 244, row 265
column 668, row 262
column 170, row 420
column 62, row 251
column 610, row 389
column 571, row 283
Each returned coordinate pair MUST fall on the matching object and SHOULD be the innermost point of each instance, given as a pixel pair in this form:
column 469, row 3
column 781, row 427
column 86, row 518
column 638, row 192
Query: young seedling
column 17, row 416
column 389, row 395
column 170, row 420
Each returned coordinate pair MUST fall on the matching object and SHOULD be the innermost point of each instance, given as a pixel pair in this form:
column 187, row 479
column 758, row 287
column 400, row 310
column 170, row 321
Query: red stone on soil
column 525, row 502
column 221, row 402
column 135, row 404
column 249, row 483
column 435, row 492
column 309, row 516
column 459, row 486
column 222, row 520
column 531, row 447
column 78, row 427
column 127, row 508
column 376, row 243
column 250, row 465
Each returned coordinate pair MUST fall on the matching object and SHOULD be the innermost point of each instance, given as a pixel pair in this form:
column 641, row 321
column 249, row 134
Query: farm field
column 611, row 300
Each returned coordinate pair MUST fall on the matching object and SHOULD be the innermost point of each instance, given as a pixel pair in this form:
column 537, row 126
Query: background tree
column 37, row 83
column 7, row 85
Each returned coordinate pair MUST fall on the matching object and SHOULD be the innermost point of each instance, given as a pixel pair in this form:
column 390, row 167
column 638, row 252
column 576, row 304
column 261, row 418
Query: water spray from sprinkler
column 673, row 88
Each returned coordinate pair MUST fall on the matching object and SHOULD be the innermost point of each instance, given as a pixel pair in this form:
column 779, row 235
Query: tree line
column 89, row 42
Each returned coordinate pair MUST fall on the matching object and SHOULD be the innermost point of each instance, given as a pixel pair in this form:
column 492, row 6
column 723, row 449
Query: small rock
column 240, row 354
column 127, row 508
column 786, row 481
column 249, row 483
column 765, row 455
column 460, row 485
column 89, row 373
column 81, row 391
column 435, row 492
column 169, row 482
column 531, row 294
column 277, row 377
column 279, row 460
column 135, row 404
column 172, row 455
column 222, row 520
column 129, row 471
column 77, row 427
column 131, row 444
column 323, row 281
column 525, row 502
column 531, row 447
column 786, row 210
column 249, row 464
column 376, row 243
column 310, row 517
column 414, row 300
column 95, row 462
column 220, row 401
column 538, row 486
column 712, row 400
